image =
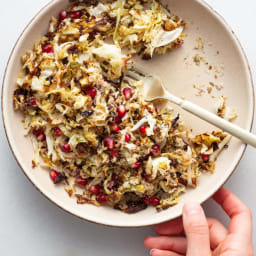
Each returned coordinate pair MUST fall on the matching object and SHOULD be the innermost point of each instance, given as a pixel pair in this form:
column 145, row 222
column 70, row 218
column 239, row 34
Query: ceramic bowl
column 221, row 50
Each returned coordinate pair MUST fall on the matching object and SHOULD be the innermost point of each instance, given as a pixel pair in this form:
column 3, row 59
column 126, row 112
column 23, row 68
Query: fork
column 155, row 91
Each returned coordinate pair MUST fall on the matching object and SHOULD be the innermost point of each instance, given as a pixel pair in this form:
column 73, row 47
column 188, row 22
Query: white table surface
column 31, row 225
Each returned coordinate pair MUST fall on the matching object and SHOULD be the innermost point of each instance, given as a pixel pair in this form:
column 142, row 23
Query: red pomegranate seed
column 136, row 165
column 154, row 201
column 41, row 137
column 128, row 137
column 109, row 143
column 205, row 157
column 121, row 110
column 56, row 176
column 76, row 15
column 66, row 147
column 146, row 200
column 102, row 199
column 143, row 130
column 116, row 128
column 57, row 131
column 95, row 189
column 114, row 152
column 156, row 150
column 63, row 15
column 32, row 101
column 118, row 120
column 37, row 132
column 81, row 182
column 92, row 92
column 48, row 48
column 127, row 93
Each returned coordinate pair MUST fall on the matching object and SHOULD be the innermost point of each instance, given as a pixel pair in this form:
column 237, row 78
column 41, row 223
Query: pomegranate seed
column 136, row 165
column 146, row 200
column 57, row 131
column 114, row 152
column 118, row 120
column 143, row 130
column 156, row 150
column 95, row 189
column 76, row 15
column 41, row 137
column 121, row 110
column 205, row 157
column 48, row 48
column 116, row 128
column 81, row 182
column 63, row 15
column 32, row 101
column 127, row 93
column 66, row 147
column 154, row 201
column 109, row 143
column 92, row 92
column 102, row 199
column 56, row 176
column 128, row 137
column 37, row 132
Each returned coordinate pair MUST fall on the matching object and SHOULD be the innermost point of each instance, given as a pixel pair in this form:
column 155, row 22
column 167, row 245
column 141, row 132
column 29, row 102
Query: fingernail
column 151, row 251
column 192, row 209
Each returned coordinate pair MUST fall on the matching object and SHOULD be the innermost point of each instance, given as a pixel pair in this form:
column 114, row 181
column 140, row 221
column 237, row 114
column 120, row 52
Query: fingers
column 217, row 232
column 241, row 217
column 197, row 230
column 175, row 227
column 233, row 246
column 175, row 244
column 156, row 252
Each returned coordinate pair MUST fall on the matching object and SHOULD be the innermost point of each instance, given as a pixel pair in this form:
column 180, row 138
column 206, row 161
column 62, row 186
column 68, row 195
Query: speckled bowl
column 222, row 50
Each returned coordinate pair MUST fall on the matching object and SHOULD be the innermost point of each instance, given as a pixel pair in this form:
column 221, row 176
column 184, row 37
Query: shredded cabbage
column 85, row 119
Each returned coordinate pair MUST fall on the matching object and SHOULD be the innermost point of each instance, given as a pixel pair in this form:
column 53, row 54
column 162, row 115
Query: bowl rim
column 244, row 56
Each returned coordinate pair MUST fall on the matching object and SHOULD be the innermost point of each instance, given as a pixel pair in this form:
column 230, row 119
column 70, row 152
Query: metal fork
column 155, row 91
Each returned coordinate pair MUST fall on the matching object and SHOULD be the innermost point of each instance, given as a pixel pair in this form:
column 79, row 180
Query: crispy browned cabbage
column 91, row 127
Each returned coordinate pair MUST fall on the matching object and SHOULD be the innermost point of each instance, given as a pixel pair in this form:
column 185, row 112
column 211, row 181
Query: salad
column 91, row 127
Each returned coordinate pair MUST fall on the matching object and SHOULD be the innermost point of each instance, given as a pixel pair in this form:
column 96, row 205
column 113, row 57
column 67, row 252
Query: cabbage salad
column 91, row 127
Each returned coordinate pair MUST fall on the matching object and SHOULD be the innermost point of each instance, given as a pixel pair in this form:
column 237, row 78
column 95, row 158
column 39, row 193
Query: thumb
column 196, row 230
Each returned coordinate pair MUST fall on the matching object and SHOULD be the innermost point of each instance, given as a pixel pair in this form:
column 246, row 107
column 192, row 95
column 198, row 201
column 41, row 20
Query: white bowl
column 179, row 78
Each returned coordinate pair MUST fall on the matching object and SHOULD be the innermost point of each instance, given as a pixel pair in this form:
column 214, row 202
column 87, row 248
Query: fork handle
column 221, row 123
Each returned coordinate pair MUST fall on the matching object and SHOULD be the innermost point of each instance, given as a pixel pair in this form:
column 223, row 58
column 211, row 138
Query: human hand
column 206, row 236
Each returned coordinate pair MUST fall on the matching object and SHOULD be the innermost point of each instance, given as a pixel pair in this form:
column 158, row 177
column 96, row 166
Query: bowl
column 223, row 61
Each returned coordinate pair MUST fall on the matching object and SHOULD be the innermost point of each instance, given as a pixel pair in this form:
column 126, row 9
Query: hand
column 206, row 236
